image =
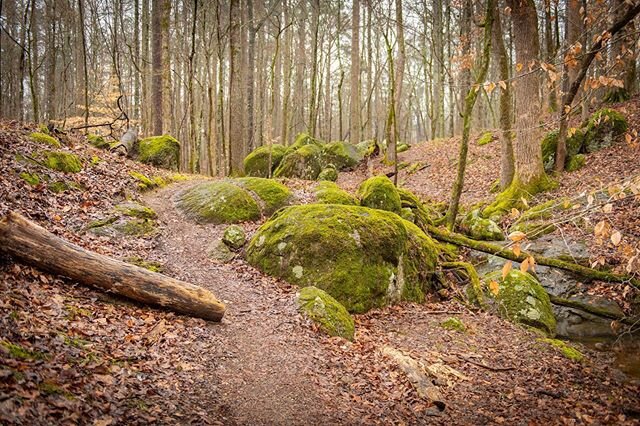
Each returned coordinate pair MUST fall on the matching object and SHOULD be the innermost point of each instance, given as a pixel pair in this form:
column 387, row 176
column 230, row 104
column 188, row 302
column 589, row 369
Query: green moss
column 62, row 161
column 257, row 162
column 454, row 324
column 97, row 141
column 330, row 193
column 327, row 312
column 234, row 237
column 74, row 312
column 19, row 352
column 367, row 148
column 303, row 163
column 58, row 187
column 342, row 155
column 219, row 202
column 49, row 388
column 302, row 139
column 485, row 138
column 271, row 194
column 132, row 209
column 481, row 229
column 146, row 264
column 575, row 163
column 43, row 128
column 31, row 178
column 423, row 213
column 161, row 151
column 43, row 138
column 574, row 144
column 379, row 192
column 602, row 127
column 143, row 182
column 522, row 299
column 363, row 257
column 402, row 147
column 329, row 173
column 101, row 222
column 616, row 95
column 566, row 350
column 135, row 227
column 514, row 194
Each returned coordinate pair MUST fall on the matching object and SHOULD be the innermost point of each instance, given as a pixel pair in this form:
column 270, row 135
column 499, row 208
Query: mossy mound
column 161, row 151
column 43, row 138
column 330, row 193
column 379, row 192
column 575, row 163
column 270, row 194
column 574, row 145
column 601, row 129
column 59, row 186
column 234, row 237
column 367, row 148
column 565, row 349
column 129, row 218
column 219, row 202
column 329, row 173
column 62, row 161
column 31, row 178
column 485, row 139
column 302, row 139
column 146, row 264
column 98, row 141
column 146, row 183
column 402, row 147
column 363, row 257
column 303, row 163
column 521, row 298
column 327, row 312
column 423, row 213
column 138, row 210
column 513, row 196
column 342, row 155
column 257, row 162
column 454, row 324
column 481, row 229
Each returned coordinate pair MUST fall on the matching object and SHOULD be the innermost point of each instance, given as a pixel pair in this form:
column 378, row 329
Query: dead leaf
column 506, row 269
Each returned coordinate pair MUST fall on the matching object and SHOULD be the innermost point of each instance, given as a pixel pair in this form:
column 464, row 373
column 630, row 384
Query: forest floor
column 69, row 354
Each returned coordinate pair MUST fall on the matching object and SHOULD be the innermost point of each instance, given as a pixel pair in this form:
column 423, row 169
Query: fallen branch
column 496, row 250
column 488, row 367
column 473, row 278
column 585, row 307
column 34, row 245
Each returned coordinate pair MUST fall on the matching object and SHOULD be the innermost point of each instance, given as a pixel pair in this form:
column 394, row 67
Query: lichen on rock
column 480, row 228
column 379, row 192
column 161, row 151
column 342, row 155
column 302, row 163
column 327, row 312
column 218, row 202
column 271, row 194
column 234, row 237
column 363, row 257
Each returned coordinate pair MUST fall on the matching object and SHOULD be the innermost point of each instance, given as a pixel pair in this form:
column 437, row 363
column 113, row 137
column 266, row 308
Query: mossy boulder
column 485, row 138
column 257, row 162
column 234, row 237
column 219, row 202
column 342, row 155
column 521, row 298
column 220, row 253
column 363, row 257
column 480, row 228
column 367, row 148
column 575, row 163
column 162, row 151
column 45, row 139
column 117, row 225
column 145, row 183
column 302, row 139
column 270, row 194
column 379, row 192
column 602, row 128
column 327, row 312
column 453, row 324
column 402, row 147
column 138, row 210
column 423, row 213
column 330, row 193
column 62, row 161
column 303, row 163
column 329, row 173
column 98, row 141
column 574, row 144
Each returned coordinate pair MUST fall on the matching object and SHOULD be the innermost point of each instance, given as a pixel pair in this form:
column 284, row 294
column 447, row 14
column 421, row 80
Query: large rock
column 379, row 192
column 327, row 312
column 128, row 218
column 257, row 162
column 233, row 200
column 363, row 257
column 342, row 155
column 161, row 151
column 480, row 228
column 330, row 193
column 302, row 139
column 602, row 128
column 303, row 163
column 574, row 145
column 519, row 297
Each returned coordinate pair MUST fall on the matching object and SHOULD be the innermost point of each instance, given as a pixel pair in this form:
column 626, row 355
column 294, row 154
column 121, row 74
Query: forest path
column 269, row 367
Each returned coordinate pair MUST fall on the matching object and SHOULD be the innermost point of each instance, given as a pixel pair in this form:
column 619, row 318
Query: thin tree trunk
column 354, row 86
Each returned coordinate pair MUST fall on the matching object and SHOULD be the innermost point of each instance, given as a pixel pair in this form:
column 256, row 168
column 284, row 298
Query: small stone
column 327, row 312
column 219, row 252
column 234, row 237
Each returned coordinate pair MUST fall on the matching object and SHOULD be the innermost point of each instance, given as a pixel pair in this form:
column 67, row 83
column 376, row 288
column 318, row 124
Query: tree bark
column 236, row 126
column 354, row 86
column 37, row 247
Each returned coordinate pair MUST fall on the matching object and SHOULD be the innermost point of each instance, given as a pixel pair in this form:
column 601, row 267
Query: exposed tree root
column 478, row 295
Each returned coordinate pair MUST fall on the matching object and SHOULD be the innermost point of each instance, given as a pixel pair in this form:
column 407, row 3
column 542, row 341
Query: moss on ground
column 31, row 178
column 46, row 139
column 161, row 151
column 138, row 210
column 146, row 264
column 565, row 349
column 20, row 352
column 98, row 141
column 513, row 196
column 454, row 324
column 379, row 192
column 327, row 312
column 485, row 138
column 575, row 163
column 62, row 161
column 481, row 229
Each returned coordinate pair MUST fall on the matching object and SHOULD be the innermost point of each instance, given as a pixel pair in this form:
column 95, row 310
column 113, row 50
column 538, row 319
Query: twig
column 488, row 367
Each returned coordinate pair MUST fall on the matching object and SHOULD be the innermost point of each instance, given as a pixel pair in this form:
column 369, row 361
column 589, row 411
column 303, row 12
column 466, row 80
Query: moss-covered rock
column 270, row 194
column 98, row 141
column 601, row 129
column 150, row 265
column 219, row 252
column 219, row 202
column 454, row 324
column 367, row 148
column 58, row 186
column 402, row 147
column 327, row 192
column 145, row 183
column 45, row 139
column 138, row 210
column 565, row 349
column 550, row 143
column 302, row 139
column 119, row 224
column 257, row 162
column 327, row 312
column 329, row 173
column 62, row 161
column 161, row 151
column 422, row 212
column 485, row 138
column 234, row 237
column 342, row 155
column 480, row 228
column 575, row 163
column 31, row 178
column 303, row 163
column 379, row 192
column 363, row 257
column 521, row 298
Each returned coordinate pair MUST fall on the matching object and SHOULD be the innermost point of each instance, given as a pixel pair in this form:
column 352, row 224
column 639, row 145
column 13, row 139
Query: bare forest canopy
column 224, row 77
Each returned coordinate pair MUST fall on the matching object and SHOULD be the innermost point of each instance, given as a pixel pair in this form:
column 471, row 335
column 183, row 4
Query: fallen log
column 506, row 253
column 35, row 246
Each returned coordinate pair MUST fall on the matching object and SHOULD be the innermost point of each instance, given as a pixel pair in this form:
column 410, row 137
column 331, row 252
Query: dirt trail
column 269, row 367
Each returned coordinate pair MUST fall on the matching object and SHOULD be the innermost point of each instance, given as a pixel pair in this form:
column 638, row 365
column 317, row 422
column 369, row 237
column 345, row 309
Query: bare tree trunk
column 315, row 19
column 157, row 88
column 236, row 99
column 354, row 86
